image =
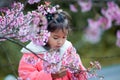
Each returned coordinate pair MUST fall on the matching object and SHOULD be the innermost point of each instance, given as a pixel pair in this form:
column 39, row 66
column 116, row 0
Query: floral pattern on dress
column 53, row 61
column 30, row 60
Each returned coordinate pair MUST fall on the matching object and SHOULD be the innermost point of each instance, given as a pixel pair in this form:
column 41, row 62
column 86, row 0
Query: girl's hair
column 58, row 21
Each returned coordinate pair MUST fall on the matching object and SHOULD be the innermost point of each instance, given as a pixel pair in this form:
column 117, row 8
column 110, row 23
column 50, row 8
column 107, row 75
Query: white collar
column 41, row 50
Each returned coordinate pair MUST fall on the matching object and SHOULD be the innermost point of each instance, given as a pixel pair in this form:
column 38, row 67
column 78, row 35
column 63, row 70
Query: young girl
column 58, row 49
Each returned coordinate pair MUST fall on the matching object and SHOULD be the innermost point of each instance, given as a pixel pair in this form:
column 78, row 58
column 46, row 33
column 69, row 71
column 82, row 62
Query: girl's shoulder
column 66, row 46
column 41, row 50
column 34, row 48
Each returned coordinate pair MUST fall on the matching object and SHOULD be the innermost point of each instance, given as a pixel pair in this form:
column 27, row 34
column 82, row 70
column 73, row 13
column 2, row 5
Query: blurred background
column 104, row 50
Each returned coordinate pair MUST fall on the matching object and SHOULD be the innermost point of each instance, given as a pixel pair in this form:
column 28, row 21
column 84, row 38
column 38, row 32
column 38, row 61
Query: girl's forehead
column 61, row 31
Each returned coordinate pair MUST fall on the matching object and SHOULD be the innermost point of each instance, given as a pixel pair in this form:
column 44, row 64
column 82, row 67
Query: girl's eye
column 55, row 38
column 64, row 37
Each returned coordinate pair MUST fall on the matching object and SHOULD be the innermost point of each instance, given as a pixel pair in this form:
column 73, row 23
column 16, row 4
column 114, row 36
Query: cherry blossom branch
column 11, row 40
column 8, row 24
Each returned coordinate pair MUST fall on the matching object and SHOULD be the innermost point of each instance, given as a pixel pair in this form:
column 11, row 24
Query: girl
column 58, row 49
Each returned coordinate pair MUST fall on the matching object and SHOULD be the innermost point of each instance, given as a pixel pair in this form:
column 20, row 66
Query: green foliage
column 9, row 57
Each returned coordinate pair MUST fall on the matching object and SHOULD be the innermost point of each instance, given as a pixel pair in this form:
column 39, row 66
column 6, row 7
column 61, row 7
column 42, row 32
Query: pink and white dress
column 33, row 68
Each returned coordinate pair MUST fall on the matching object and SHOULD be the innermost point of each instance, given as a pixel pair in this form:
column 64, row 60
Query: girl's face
column 57, row 38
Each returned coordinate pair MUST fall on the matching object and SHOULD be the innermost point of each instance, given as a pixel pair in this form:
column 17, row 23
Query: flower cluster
column 85, row 5
column 49, row 10
column 33, row 1
column 54, row 62
column 72, row 61
column 11, row 20
column 31, row 26
column 92, row 70
column 110, row 15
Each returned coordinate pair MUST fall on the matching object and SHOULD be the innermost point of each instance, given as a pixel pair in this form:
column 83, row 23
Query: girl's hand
column 59, row 74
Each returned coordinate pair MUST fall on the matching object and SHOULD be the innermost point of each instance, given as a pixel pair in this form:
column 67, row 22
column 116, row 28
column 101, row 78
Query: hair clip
column 49, row 17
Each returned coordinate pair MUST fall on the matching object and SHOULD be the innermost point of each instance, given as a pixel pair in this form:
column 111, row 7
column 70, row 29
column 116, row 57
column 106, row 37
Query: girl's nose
column 60, row 41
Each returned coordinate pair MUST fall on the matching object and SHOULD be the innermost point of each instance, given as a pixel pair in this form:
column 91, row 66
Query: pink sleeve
column 30, row 68
column 83, row 74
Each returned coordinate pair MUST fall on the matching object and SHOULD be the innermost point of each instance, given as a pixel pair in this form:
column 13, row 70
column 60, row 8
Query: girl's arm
column 30, row 68
column 82, row 75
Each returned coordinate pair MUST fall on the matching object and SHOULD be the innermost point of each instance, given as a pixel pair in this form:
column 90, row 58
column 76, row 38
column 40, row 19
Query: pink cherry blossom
column 33, row 1
column 93, row 32
column 85, row 5
column 118, row 34
column 73, row 8
column 94, row 67
column 4, row 9
column 92, row 35
column 112, row 12
column 118, row 38
column 106, row 23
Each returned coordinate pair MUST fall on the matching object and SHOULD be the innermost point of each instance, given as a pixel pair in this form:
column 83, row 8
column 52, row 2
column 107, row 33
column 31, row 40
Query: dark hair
column 58, row 21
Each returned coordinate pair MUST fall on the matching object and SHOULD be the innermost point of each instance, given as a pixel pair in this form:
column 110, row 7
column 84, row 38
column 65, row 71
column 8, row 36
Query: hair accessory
column 49, row 10
column 49, row 17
